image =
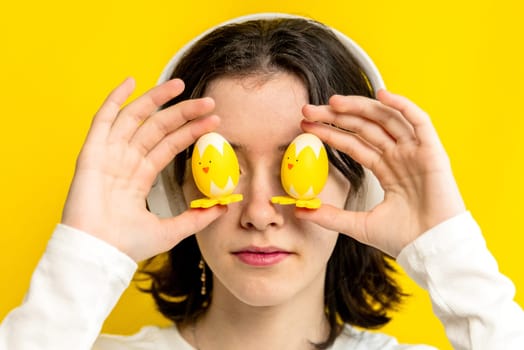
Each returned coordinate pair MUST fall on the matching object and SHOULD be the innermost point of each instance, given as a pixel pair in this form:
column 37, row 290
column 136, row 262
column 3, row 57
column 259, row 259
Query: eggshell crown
column 166, row 198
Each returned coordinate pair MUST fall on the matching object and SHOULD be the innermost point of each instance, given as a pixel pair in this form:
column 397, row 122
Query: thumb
column 190, row 222
column 351, row 223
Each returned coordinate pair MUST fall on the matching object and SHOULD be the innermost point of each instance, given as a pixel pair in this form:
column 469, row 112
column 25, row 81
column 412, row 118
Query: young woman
column 254, row 274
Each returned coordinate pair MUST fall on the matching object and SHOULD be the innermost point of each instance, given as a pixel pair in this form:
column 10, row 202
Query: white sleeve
column 469, row 295
column 73, row 289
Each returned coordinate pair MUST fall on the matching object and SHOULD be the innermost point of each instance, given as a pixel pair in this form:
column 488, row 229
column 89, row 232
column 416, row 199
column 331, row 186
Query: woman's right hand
column 124, row 151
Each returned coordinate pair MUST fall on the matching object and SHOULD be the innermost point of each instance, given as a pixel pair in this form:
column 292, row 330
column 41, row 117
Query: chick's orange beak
column 289, row 166
column 206, row 169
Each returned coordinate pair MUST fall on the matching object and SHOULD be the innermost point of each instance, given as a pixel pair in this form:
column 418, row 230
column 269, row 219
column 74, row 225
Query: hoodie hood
column 166, row 198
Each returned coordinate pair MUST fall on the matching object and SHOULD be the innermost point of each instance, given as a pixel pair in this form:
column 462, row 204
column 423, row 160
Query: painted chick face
column 304, row 168
column 215, row 166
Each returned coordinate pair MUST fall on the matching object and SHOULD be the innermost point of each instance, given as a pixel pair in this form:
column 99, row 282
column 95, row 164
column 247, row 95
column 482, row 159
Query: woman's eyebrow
column 240, row 147
column 283, row 147
column 236, row 146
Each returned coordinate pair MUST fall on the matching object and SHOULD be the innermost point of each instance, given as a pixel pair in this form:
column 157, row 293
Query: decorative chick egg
column 304, row 171
column 215, row 170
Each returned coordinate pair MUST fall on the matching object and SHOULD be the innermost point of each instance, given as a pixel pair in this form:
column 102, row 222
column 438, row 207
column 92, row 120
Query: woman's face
column 260, row 254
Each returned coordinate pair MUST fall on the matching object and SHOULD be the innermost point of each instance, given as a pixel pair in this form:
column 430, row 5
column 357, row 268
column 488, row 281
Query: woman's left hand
column 394, row 139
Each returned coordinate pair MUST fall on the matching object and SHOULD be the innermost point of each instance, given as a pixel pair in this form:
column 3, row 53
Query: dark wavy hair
column 359, row 287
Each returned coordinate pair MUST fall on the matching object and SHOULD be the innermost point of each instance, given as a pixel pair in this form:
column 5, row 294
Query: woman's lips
column 256, row 256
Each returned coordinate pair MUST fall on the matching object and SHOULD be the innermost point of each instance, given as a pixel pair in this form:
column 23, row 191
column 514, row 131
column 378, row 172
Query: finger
column 168, row 120
column 424, row 130
column 389, row 119
column 106, row 115
column 133, row 115
column 179, row 140
column 351, row 144
column 190, row 222
column 339, row 220
column 371, row 132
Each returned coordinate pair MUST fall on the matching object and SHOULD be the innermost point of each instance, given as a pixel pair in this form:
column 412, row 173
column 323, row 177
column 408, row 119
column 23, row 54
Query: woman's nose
column 258, row 213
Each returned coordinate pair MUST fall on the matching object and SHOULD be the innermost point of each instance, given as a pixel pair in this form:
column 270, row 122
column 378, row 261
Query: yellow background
column 461, row 61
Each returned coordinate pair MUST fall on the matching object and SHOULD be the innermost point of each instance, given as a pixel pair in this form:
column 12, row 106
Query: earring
column 202, row 266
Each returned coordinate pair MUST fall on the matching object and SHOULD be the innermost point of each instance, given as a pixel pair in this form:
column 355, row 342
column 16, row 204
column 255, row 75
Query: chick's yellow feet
column 209, row 202
column 314, row 203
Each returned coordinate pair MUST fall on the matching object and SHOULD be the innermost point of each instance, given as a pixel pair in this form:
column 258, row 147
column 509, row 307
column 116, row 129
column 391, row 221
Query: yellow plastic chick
column 215, row 171
column 304, row 172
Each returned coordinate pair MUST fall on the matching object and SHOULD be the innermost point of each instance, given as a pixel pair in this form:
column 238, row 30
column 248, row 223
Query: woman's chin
column 261, row 294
